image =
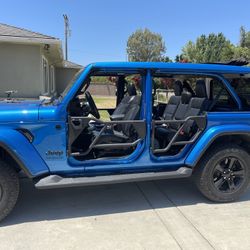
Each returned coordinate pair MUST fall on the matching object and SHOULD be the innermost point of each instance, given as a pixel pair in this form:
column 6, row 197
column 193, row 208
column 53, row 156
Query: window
column 45, row 69
column 103, row 90
column 241, row 86
column 52, row 79
column 163, row 90
column 219, row 98
column 223, row 100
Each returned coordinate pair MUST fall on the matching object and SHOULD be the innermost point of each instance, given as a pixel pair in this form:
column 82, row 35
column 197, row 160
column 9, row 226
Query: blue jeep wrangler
column 170, row 121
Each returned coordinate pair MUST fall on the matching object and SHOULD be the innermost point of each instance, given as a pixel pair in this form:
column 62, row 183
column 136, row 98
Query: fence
column 163, row 95
column 102, row 89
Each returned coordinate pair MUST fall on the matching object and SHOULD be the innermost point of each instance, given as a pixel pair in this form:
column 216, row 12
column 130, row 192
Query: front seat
column 126, row 102
column 126, row 131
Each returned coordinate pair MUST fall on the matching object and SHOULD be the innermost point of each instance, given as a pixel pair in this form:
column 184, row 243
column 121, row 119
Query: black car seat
column 126, row 102
column 196, row 105
column 187, row 87
column 126, row 132
column 164, row 134
column 174, row 101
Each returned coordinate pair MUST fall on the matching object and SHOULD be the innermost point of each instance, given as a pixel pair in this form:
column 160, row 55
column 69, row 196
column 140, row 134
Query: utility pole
column 66, row 33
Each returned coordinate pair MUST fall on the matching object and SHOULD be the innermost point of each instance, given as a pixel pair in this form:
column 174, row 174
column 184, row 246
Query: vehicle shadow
column 56, row 204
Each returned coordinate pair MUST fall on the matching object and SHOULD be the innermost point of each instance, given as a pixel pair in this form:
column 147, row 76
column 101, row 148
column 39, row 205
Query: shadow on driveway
column 56, row 204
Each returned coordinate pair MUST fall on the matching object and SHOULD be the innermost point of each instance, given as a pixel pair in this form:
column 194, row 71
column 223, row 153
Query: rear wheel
column 9, row 189
column 223, row 173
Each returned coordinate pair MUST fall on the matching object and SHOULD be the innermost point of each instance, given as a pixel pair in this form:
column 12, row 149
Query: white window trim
column 45, row 92
column 52, row 79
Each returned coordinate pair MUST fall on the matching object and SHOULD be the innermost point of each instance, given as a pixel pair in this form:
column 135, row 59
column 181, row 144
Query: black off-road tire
column 206, row 178
column 9, row 189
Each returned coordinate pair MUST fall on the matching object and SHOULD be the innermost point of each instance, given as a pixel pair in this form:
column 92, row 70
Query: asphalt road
column 167, row 214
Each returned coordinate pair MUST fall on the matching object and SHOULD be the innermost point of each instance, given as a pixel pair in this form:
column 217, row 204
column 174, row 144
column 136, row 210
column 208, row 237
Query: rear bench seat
column 189, row 106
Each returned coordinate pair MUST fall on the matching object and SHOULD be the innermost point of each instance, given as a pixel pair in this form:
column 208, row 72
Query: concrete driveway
column 167, row 214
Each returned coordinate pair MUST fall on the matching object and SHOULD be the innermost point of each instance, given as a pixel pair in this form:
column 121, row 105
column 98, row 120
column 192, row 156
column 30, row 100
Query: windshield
column 63, row 94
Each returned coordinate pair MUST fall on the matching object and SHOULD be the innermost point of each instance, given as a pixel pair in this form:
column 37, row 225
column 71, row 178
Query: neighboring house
column 32, row 63
column 64, row 74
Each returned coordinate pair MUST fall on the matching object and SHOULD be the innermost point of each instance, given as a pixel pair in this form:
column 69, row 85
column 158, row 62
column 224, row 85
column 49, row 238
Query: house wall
column 21, row 70
column 63, row 77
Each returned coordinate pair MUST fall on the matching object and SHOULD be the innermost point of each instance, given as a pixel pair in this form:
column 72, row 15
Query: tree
column 181, row 59
column 178, row 58
column 211, row 48
column 244, row 38
column 166, row 59
column 145, row 46
column 242, row 52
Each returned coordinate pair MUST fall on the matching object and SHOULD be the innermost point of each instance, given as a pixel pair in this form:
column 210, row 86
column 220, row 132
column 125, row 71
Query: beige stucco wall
column 63, row 78
column 21, row 69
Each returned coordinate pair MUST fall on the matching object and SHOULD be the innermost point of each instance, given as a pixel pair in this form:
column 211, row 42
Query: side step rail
column 56, row 181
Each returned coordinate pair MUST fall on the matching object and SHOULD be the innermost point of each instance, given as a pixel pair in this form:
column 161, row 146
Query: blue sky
column 100, row 28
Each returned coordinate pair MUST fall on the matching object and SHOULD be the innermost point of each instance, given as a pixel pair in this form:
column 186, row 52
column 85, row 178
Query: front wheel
column 223, row 174
column 9, row 189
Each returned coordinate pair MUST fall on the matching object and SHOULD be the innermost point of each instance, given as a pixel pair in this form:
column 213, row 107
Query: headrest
column 188, row 88
column 185, row 97
column 131, row 89
column 200, row 89
column 178, row 88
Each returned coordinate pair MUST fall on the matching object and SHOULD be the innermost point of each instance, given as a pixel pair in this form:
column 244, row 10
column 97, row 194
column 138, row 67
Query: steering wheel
column 93, row 109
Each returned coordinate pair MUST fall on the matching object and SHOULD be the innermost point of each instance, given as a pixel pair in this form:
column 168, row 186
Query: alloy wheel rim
column 228, row 175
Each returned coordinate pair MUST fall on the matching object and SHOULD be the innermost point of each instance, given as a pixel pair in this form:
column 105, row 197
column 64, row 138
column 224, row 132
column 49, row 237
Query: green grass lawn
column 105, row 102
column 104, row 115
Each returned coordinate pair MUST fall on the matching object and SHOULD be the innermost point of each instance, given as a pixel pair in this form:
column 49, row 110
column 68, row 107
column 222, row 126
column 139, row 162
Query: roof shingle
column 69, row 64
column 11, row 31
